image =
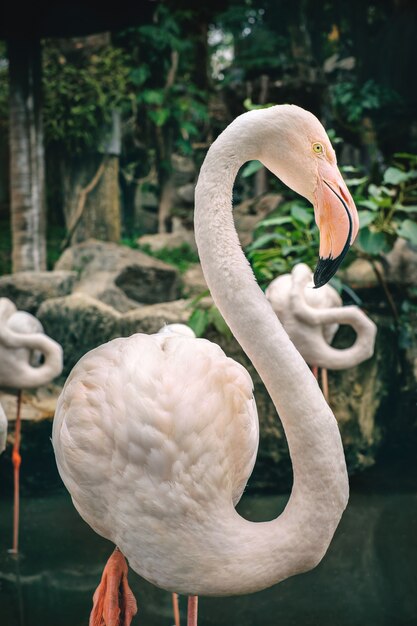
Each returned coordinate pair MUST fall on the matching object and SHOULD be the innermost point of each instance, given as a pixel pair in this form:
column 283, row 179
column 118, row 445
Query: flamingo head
column 298, row 151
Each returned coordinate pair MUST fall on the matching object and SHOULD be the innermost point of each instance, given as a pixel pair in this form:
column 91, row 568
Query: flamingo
column 311, row 318
column 23, row 344
column 155, row 436
column 3, row 429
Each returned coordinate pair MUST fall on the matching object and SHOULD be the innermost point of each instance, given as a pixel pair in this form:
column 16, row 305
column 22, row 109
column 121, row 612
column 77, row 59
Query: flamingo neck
column 320, row 489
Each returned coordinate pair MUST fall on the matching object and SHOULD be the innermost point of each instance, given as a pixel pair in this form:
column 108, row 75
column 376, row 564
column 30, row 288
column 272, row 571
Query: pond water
column 368, row 577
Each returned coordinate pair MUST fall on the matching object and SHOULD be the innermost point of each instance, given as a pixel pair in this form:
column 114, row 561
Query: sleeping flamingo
column 22, row 346
column 156, row 435
column 312, row 317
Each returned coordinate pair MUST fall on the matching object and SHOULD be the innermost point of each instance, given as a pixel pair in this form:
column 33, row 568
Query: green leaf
column 366, row 218
column 261, row 241
column 199, row 321
column 408, row 230
column 394, row 176
column 251, row 168
column 372, row 243
column 412, row 208
column 302, row 215
column 218, row 322
column 159, row 116
column 369, row 204
column 152, row 96
column 276, row 221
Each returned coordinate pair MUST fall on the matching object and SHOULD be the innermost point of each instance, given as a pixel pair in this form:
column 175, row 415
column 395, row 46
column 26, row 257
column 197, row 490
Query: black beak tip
column 325, row 270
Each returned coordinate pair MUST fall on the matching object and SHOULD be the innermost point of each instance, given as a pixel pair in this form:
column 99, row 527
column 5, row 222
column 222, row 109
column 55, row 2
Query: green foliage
column 203, row 318
column 353, row 101
column 286, row 237
column 388, row 210
column 168, row 104
column 80, row 93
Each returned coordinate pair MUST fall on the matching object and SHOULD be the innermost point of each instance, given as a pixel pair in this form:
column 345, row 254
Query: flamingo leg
column 16, row 460
column 113, row 602
column 325, row 383
column 315, row 371
column 176, row 609
column 192, row 611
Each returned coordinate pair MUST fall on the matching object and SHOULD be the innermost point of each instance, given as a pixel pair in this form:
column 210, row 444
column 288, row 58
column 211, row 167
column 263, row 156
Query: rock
column 120, row 275
column 360, row 274
column 168, row 241
column 29, row 289
column 194, row 283
column 37, row 404
column 184, row 170
column 249, row 213
column 186, row 193
column 402, row 263
column 79, row 323
column 149, row 319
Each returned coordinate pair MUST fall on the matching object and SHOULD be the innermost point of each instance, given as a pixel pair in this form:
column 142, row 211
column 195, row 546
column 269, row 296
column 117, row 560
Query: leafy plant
column 286, row 237
column 80, row 93
column 203, row 317
column 353, row 101
column 388, row 210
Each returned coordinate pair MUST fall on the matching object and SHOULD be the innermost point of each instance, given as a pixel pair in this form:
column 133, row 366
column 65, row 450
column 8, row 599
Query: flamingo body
column 154, row 468
column 3, row 429
column 312, row 317
column 22, row 342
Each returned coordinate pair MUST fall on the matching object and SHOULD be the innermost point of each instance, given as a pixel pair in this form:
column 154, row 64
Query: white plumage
column 3, row 429
column 172, row 422
column 312, row 317
column 22, row 342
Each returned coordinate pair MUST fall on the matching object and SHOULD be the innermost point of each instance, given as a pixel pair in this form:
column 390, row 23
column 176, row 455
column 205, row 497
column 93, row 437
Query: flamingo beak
column 337, row 219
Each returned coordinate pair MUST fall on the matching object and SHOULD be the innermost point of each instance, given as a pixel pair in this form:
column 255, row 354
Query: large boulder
column 149, row 319
column 120, row 276
column 79, row 323
column 168, row 241
column 29, row 289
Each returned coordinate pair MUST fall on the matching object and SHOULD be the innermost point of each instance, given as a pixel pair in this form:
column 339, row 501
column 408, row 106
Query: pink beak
column 337, row 219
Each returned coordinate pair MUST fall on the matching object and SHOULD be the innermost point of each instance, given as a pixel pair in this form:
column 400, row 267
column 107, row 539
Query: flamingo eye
column 318, row 148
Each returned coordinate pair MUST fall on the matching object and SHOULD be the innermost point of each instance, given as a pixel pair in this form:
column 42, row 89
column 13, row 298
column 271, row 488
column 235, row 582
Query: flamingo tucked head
column 298, row 151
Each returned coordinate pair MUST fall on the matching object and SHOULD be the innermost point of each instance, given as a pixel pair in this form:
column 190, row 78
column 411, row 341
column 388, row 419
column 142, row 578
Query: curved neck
column 327, row 356
column 320, row 488
column 22, row 373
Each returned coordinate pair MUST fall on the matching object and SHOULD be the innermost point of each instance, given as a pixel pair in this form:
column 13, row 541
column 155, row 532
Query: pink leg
column 16, row 459
column 325, row 383
column 176, row 609
column 113, row 602
column 315, row 371
column 192, row 611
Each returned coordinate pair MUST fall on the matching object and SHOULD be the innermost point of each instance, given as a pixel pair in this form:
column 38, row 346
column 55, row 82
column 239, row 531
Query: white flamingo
column 23, row 344
column 312, row 317
column 3, row 429
column 155, row 436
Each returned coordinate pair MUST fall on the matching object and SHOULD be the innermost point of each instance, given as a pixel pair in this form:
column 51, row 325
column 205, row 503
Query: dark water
column 368, row 577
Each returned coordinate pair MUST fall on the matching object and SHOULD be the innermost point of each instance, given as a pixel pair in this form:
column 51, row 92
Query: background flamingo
column 23, row 345
column 312, row 317
column 3, row 429
column 155, row 436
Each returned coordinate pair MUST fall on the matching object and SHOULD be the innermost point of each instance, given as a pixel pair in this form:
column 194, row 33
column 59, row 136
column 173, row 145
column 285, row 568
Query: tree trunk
column 27, row 186
column 91, row 196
